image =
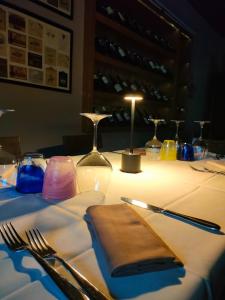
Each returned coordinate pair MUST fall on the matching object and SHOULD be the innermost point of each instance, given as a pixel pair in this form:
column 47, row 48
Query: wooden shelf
column 130, row 68
column 133, row 36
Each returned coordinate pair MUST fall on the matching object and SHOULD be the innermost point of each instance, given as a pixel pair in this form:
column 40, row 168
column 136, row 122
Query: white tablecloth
column 170, row 184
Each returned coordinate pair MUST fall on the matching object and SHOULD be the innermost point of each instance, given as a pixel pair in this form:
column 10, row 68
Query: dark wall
column 42, row 117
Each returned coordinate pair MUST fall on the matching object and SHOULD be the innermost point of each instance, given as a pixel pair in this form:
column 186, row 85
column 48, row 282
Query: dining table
column 172, row 185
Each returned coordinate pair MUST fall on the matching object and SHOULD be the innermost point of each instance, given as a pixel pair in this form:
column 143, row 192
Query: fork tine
column 43, row 239
column 35, row 244
column 4, row 239
column 17, row 235
column 12, row 233
column 30, row 240
column 38, row 240
column 8, row 236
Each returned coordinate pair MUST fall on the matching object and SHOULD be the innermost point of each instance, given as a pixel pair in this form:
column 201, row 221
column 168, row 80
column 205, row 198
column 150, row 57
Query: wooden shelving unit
column 177, row 61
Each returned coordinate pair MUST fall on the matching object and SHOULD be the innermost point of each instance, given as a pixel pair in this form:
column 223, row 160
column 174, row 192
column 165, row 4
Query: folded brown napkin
column 128, row 242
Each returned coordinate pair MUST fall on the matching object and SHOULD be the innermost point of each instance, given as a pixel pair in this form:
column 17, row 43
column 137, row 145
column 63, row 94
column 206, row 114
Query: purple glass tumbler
column 59, row 179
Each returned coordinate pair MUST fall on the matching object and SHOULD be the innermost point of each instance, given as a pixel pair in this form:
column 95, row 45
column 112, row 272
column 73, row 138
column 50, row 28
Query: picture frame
column 34, row 51
column 62, row 7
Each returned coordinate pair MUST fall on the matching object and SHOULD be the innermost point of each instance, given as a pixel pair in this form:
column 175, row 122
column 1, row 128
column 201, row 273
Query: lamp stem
column 132, row 125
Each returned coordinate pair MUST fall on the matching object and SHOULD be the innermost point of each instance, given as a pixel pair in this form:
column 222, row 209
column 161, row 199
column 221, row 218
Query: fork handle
column 66, row 287
column 93, row 292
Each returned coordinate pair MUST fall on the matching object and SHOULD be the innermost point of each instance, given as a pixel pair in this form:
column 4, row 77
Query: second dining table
column 169, row 184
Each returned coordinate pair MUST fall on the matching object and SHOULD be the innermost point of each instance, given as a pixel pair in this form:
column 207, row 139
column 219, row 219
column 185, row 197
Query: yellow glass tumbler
column 168, row 150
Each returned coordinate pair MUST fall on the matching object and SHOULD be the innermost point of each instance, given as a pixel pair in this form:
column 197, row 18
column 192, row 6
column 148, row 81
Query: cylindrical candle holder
column 131, row 162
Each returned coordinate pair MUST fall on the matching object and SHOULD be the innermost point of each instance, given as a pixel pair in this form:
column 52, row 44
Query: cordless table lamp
column 131, row 162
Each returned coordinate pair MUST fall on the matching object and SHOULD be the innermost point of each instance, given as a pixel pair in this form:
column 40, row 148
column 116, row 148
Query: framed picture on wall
column 62, row 7
column 33, row 50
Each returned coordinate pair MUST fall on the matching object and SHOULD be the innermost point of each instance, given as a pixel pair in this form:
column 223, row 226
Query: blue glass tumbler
column 30, row 174
column 185, row 152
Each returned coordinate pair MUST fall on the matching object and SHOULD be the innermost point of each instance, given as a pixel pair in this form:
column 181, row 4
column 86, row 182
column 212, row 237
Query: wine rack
column 134, row 48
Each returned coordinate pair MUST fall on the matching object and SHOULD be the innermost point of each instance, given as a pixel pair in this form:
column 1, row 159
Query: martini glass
column 94, row 170
column 200, row 146
column 7, row 160
column 153, row 146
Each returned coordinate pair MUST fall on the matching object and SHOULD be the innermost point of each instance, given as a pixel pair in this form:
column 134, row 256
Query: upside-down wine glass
column 200, row 146
column 6, row 159
column 153, row 146
column 94, row 170
column 177, row 130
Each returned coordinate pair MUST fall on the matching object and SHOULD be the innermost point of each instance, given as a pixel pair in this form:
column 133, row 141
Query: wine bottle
column 131, row 56
column 164, row 70
column 101, row 45
column 135, row 26
column 121, row 53
column 134, row 86
column 117, row 85
column 118, row 117
column 142, row 118
column 121, row 17
column 106, row 10
column 126, row 115
column 165, row 98
column 152, row 65
column 105, row 82
column 96, row 81
column 148, row 34
column 112, row 49
column 125, row 84
column 142, row 88
column 157, row 94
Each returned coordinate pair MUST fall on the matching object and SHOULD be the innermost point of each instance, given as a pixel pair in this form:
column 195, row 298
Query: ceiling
column 213, row 12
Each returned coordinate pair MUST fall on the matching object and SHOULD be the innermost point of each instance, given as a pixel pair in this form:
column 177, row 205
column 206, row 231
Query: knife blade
column 167, row 212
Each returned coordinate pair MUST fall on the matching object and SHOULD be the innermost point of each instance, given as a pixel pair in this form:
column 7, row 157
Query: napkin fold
column 129, row 244
column 218, row 165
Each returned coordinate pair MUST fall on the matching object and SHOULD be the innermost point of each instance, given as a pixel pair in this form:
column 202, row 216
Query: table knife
column 167, row 212
column 72, row 292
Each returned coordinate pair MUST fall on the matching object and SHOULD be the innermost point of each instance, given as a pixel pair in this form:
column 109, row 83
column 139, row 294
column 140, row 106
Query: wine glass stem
column 156, row 125
column 177, row 127
column 201, row 128
column 95, row 136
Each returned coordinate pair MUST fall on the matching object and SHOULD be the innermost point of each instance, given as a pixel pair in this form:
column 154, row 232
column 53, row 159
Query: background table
column 170, row 184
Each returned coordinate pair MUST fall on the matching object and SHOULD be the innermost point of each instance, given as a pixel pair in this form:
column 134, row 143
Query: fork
column 206, row 170
column 14, row 242
column 40, row 245
column 214, row 171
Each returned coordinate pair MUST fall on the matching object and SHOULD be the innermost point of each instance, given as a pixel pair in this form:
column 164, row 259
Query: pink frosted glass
column 59, row 179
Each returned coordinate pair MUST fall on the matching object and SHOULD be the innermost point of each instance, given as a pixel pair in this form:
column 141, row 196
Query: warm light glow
column 133, row 97
column 139, row 203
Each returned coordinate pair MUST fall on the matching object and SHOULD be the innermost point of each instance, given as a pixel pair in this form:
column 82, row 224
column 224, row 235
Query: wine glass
column 153, row 146
column 200, row 146
column 93, row 170
column 177, row 129
column 6, row 159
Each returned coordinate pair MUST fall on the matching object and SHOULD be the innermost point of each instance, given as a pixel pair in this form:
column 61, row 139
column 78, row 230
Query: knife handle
column 66, row 287
column 93, row 292
column 208, row 224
